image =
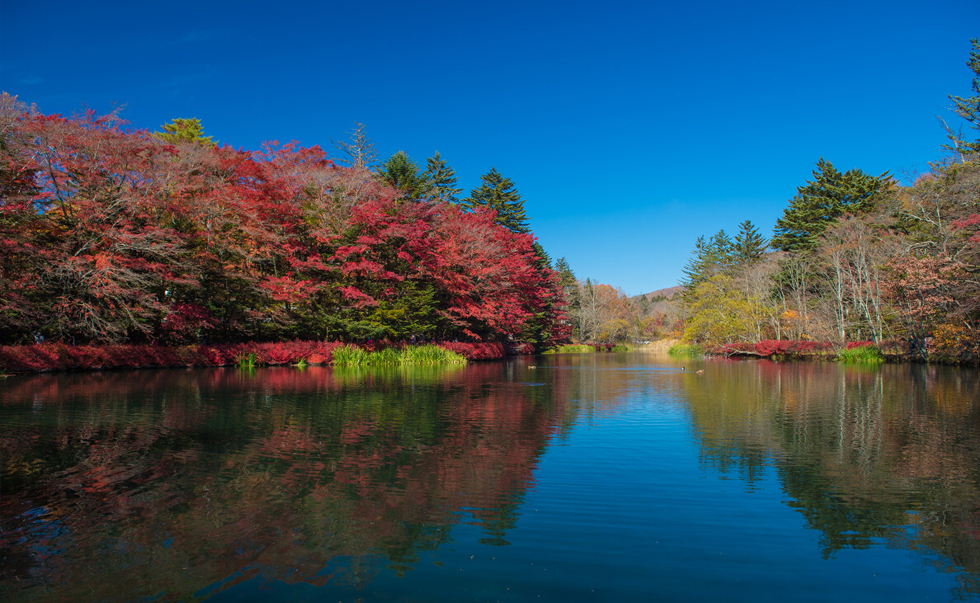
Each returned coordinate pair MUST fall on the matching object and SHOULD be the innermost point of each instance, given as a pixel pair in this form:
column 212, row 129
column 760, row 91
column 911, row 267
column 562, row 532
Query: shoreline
column 61, row 358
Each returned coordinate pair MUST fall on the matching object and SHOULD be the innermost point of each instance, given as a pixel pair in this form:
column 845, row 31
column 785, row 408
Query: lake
column 592, row 477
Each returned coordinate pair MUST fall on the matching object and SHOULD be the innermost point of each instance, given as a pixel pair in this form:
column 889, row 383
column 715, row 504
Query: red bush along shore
column 892, row 348
column 63, row 357
column 773, row 347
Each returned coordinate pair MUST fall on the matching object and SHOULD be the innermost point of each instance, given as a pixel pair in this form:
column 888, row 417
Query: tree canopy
column 821, row 201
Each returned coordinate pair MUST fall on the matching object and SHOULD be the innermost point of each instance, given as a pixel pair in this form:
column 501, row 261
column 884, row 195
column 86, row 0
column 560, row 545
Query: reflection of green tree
column 277, row 474
column 842, row 523
column 891, row 453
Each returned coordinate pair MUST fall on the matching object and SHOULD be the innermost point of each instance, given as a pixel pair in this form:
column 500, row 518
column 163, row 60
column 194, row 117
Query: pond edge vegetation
column 55, row 357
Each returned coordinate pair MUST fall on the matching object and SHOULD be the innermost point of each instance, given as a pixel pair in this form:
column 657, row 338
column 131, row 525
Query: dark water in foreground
column 589, row 478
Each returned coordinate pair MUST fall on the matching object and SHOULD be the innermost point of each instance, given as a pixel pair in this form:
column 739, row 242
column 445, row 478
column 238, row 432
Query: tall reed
column 861, row 355
column 422, row 354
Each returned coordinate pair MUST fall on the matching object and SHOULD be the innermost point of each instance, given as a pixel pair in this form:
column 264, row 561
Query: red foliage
column 475, row 351
column 523, row 349
column 858, row 344
column 772, row 347
column 109, row 235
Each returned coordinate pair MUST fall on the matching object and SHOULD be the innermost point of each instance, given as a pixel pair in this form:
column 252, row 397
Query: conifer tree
column 820, row 202
column 968, row 108
column 696, row 265
column 498, row 193
column 721, row 251
column 712, row 257
column 442, row 180
column 568, row 283
column 184, row 129
column 749, row 244
column 402, row 173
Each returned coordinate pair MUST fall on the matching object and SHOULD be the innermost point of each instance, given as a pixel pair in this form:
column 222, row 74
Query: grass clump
column 861, row 355
column 422, row 354
column 571, row 348
column 686, row 349
column 622, row 347
column 247, row 361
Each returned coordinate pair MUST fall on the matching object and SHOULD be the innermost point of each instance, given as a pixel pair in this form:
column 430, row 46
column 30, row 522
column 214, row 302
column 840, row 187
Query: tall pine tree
column 442, row 180
column 821, row 201
column 499, row 194
column 749, row 244
column 402, row 173
column 968, row 108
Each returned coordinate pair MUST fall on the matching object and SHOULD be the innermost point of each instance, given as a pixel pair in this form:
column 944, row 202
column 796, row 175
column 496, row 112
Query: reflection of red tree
column 285, row 488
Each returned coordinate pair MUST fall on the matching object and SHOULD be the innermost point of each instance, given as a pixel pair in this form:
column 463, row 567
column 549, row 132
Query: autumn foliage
column 113, row 236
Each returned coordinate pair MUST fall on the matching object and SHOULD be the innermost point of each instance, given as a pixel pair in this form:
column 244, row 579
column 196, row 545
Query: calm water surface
column 588, row 478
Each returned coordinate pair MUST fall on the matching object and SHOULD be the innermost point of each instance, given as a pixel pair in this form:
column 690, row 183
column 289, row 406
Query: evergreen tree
column 442, row 180
column 968, row 108
column 498, row 193
column 820, row 202
column 710, row 258
column 696, row 266
column 721, row 251
column 568, row 283
column 544, row 260
column 402, row 173
column 749, row 244
column 185, row 130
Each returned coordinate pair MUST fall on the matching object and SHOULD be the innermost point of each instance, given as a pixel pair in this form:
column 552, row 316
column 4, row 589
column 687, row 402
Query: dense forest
column 113, row 235
column 856, row 257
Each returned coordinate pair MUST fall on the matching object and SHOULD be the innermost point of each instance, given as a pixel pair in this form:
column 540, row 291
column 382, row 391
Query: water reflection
column 186, row 484
column 875, row 454
column 174, row 481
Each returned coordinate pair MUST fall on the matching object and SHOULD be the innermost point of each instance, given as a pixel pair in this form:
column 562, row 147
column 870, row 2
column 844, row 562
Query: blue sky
column 629, row 128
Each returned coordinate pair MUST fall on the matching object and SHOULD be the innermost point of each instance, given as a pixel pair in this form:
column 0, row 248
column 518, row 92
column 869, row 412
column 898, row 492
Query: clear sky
column 629, row 128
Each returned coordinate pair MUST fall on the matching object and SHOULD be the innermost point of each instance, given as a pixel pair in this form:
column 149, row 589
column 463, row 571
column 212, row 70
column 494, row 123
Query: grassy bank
column 686, row 350
column 572, row 348
column 861, row 355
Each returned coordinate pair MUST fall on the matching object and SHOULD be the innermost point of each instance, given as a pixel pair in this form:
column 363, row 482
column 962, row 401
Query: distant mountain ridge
column 666, row 294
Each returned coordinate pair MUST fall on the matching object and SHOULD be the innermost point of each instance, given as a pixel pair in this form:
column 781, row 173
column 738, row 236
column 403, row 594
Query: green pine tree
column 710, row 258
column 498, row 193
column 402, row 173
column 696, row 267
column 185, row 130
column 442, row 180
column 749, row 244
column 820, row 202
column 568, row 283
column 968, row 108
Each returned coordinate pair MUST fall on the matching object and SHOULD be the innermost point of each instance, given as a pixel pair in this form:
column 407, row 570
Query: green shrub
column 686, row 349
column 864, row 355
column 622, row 347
